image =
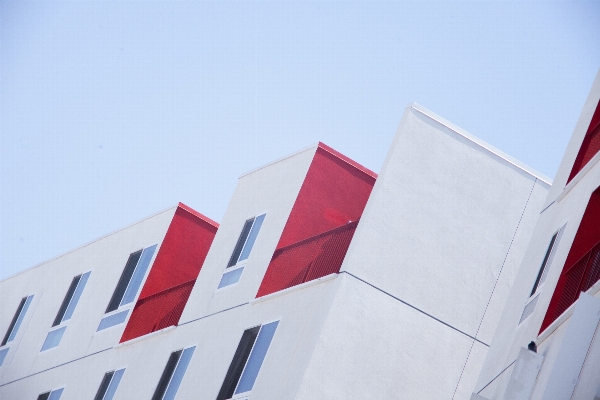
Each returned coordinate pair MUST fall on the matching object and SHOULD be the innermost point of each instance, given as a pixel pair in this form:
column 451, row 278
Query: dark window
column 542, row 273
column 71, row 299
column 109, row 385
column 124, row 281
column 13, row 328
column 248, row 359
column 246, row 240
column 131, row 278
column 53, row 395
column 173, row 374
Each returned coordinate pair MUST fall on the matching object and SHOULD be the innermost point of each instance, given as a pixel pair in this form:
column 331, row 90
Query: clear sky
column 112, row 111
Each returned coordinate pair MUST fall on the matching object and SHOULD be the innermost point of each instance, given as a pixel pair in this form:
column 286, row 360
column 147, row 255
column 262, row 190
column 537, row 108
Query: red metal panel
column 307, row 260
column 157, row 311
column 334, row 192
column 173, row 273
column 590, row 145
column 582, row 267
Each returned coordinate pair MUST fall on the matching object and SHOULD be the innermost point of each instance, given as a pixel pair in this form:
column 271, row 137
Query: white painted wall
column 106, row 258
column 565, row 206
column 444, row 230
column 272, row 190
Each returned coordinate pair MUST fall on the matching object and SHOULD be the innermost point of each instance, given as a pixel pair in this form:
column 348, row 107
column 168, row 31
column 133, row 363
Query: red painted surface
column 177, row 264
column 158, row 311
column 582, row 267
column 334, row 192
column 590, row 145
column 307, row 260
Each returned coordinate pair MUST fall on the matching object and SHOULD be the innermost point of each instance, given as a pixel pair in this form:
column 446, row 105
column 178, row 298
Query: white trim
column 582, row 172
column 144, row 337
column 313, row 146
column 481, row 143
column 294, row 288
column 227, row 271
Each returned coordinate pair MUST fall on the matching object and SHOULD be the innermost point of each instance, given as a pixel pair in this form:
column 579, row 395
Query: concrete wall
column 565, row 206
column 105, row 258
column 444, row 231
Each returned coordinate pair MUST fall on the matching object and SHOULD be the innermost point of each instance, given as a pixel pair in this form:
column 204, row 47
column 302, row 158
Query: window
column 173, row 374
column 528, row 310
column 109, row 385
column 53, row 395
column 65, row 312
column 242, row 250
column 13, row 328
column 247, row 360
column 541, row 277
column 246, row 240
column 128, row 287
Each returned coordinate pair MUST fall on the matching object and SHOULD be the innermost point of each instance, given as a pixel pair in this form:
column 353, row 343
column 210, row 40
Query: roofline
column 178, row 205
column 199, row 215
column 347, row 160
column 279, row 160
column 484, row 145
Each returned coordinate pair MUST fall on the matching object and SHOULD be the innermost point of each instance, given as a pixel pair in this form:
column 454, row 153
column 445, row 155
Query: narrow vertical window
column 13, row 328
column 248, row 359
column 131, row 278
column 65, row 312
column 173, row 374
column 541, row 276
column 53, row 395
column 246, row 240
column 109, row 385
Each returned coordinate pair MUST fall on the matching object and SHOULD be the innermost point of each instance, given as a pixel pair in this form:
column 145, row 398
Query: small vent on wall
column 528, row 310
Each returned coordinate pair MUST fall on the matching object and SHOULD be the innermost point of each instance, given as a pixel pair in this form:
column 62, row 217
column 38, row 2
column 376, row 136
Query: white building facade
column 325, row 280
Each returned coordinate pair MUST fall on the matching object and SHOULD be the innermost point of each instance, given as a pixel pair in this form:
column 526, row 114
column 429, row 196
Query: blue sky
column 111, row 111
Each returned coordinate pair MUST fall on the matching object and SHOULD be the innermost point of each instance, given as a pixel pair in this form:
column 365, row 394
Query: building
column 554, row 302
column 324, row 280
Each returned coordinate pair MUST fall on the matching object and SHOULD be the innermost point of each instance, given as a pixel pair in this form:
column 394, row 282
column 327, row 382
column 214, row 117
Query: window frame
column 155, row 395
column 240, row 263
column 127, row 307
column 50, row 393
column 108, row 386
column 62, row 323
column 547, row 261
column 14, row 326
column 245, row 394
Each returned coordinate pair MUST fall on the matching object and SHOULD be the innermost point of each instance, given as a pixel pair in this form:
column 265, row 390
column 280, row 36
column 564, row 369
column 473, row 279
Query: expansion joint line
column 414, row 308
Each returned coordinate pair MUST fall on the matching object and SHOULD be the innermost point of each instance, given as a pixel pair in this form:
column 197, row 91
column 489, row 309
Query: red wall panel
column 317, row 233
column 590, row 145
column 173, row 273
column 334, row 192
column 580, row 271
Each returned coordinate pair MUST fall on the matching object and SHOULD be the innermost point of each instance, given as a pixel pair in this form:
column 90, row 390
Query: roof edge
column 347, row 160
column 486, row 146
column 279, row 160
column 197, row 214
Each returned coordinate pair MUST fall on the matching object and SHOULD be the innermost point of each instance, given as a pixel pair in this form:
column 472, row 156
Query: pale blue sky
column 111, row 111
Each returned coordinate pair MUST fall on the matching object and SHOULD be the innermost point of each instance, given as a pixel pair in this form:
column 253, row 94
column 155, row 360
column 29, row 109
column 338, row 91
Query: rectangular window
column 246, row 240
column 131, row 278
column 173, row 374
column 545, row 264
column 247, row 360
column 65, row 312
column 109, row 385
column 3, row 354
column 53, row 338
column 230, row 277
column 13, row 328
column 112, row 320
column 53, row 395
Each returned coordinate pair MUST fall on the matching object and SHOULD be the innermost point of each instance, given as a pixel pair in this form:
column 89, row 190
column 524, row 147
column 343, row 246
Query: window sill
column 294, row 288
column 148, row 336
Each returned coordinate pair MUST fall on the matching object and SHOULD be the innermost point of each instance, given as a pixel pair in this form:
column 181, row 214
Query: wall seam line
column 415, row 308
